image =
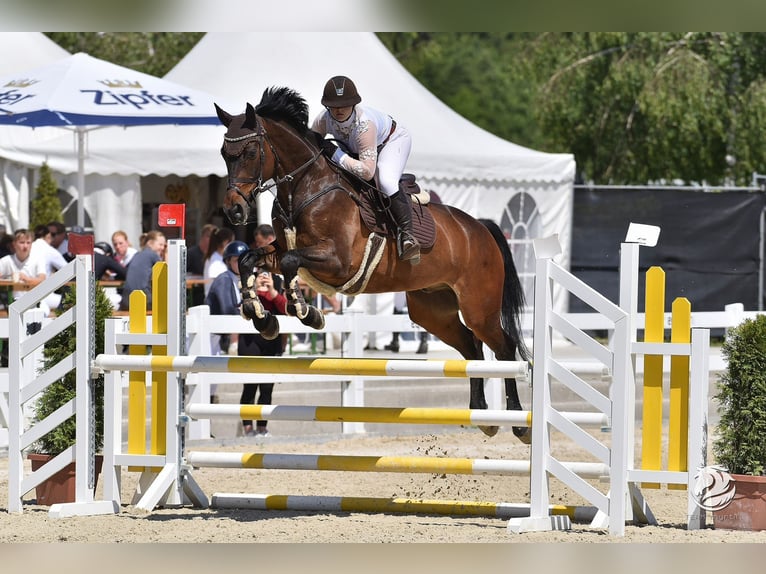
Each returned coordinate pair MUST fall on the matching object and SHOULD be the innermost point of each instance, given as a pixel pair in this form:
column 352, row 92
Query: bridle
column 262, row 136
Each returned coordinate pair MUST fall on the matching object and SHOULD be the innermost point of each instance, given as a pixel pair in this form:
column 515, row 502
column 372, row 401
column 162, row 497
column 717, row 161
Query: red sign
column 172, row 215
column 80, row 244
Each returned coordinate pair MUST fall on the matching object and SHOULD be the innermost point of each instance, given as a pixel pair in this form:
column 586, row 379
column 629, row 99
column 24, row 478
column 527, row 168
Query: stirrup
column 408, row 248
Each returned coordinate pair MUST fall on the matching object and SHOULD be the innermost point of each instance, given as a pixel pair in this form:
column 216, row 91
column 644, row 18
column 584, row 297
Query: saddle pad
column 376, row 219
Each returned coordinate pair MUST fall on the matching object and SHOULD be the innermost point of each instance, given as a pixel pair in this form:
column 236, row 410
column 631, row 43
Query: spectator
column 139, row 272
column 195, row 257
column 58, row 237
column 195, row 262
column 105, row 265
column 52, row 258
column 224, row 298
column 6, row 244
column 123, row 250
column 263, row 236
column 214, row 264
column 21, row 267
column 42, row 248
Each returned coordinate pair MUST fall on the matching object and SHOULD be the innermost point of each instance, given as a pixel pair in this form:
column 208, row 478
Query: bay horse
column 320, row 237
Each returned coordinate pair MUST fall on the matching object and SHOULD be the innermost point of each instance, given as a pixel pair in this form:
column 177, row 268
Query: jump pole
column 404, row 415
column 307, row 366
column 401, row 464
column 502, row 510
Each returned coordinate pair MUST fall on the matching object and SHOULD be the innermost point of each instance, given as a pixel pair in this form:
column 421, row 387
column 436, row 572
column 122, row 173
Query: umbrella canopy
column 82, row 93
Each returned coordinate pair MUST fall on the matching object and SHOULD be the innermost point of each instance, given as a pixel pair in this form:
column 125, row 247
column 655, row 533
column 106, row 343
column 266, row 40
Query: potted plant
column 60, row 487
column 740, row 446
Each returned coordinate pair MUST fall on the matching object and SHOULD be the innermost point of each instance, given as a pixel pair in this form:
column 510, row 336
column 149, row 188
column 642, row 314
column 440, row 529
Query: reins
column 288, row 216
column 261, row 134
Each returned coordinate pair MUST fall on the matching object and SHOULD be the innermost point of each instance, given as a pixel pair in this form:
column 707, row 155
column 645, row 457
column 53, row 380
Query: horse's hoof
column 269, row 328
column 524, row 434
column 490, row 431
column 314, row 319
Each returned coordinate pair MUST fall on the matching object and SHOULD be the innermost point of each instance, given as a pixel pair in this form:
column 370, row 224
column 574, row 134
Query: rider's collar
column 347, row 122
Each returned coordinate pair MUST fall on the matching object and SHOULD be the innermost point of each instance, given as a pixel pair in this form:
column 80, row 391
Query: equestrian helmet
column 105, row 248
column 234, row 249
column 339, row 92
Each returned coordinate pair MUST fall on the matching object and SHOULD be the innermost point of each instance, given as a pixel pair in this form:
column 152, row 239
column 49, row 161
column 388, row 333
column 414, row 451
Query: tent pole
column 81, row 178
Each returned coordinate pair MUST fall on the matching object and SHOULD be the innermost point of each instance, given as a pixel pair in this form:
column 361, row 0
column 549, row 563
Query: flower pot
column 747, row 510
column 60, row 487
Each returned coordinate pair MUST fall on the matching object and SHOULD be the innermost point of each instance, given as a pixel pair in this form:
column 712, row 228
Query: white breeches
column 392, row 160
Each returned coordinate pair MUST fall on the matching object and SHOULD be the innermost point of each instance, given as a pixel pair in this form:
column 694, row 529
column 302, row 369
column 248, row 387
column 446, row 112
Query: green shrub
column 46, row 206
column 63, row 390
column 741, row 442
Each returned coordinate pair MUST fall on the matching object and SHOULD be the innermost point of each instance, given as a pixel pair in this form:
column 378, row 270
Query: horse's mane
column 280, row 103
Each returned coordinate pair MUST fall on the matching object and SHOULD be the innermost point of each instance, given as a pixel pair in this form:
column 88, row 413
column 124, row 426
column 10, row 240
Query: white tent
column 528, row 192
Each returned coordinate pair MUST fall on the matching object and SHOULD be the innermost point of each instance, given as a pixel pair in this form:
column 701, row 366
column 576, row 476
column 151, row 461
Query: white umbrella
column 82, row 93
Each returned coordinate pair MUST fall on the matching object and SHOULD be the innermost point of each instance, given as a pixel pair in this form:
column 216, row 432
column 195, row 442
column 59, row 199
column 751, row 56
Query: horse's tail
column 513, row 292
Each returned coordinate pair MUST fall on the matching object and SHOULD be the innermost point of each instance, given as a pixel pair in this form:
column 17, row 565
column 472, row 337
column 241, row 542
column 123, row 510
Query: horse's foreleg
column 479, row 401
column 297, row 306
column 513, row 403
column 252, row 308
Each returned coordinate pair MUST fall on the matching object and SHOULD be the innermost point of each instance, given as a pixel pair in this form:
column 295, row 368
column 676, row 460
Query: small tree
column 46, row 206
column 740, row 446
column 63, row 390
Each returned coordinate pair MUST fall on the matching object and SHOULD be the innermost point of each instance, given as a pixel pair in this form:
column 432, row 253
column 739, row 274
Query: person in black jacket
column 224, row 298
column 104, row 264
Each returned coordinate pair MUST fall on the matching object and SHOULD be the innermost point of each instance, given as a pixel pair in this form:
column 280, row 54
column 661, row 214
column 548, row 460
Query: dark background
column 709, row 243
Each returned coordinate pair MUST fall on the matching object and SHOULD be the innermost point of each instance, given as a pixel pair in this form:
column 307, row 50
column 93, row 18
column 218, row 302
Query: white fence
column 350, row 328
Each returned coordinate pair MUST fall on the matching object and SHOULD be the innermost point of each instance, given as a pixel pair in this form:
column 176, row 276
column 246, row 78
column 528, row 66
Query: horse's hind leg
column 437, row 313
column 487, row 327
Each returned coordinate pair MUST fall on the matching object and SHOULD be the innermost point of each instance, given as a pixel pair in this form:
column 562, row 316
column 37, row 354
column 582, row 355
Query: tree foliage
column 152, row 53
column 46, row 206
column 645, row 107
column 633, row 108
column 476, row 74
column 742, row 400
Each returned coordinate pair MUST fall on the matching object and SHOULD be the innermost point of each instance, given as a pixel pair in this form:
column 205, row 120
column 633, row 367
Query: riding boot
column 407, row 246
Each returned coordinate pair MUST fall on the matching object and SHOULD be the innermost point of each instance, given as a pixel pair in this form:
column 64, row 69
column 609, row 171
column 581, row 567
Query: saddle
column 373, row 209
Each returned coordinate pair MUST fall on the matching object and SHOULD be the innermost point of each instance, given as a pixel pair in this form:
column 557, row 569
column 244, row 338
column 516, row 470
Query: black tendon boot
column 407, row 246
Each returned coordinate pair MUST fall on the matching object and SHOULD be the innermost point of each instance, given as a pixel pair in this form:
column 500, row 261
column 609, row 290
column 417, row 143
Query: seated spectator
column 58, row 237
column 106, row 268
column 42, row 247
column 21, row 267
column 54, row 260
column 123, row 251
column 139, row 272
column 104, row 264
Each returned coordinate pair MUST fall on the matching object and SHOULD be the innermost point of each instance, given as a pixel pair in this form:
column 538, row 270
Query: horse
column 321, row 238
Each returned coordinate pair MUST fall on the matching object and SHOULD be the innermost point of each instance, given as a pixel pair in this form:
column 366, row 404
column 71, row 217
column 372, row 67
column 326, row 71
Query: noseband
column 261, row 136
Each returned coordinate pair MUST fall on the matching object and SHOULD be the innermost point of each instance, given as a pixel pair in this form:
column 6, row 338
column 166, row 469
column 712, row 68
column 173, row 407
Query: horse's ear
column 223, row 116
column 250, row 122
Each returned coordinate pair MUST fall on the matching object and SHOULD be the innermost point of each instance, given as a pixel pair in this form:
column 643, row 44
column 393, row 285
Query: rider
column 378, row 142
